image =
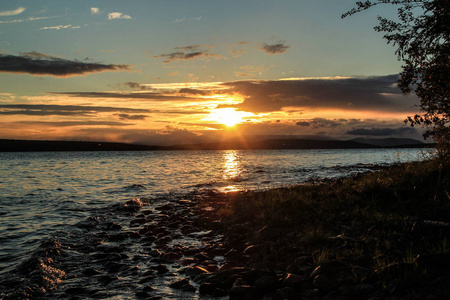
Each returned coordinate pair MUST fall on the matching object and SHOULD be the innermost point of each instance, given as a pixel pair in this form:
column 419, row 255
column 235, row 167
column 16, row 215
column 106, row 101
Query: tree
column 421, row 36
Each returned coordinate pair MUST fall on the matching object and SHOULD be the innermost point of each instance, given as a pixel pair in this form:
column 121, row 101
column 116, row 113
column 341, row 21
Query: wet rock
column 364, row 289
column 207, row 288
column 287, row 293
column 267, row 284
column 293, row 280
column 220, row 293
column 195, row 271
column 322, row 282
column 89, row 223
column 241, row 292
column 252, row 249
column 137, row 222
column 161, row 269
column 154, row 253
column 183, row 285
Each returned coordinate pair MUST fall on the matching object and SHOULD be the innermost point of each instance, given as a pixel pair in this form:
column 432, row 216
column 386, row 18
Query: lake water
column 43, row 195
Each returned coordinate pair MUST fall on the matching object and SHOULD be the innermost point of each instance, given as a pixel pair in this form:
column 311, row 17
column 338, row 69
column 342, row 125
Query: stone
column 161, row 269
column 183, row 285
column 195, row 271
column 240, row 292
column 207, row 288
column 364, row 289
column 322, row 282
column 293, row 280
column 287, row 293
column 267, row 284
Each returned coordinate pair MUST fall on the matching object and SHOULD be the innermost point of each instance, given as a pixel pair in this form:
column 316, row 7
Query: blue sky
column 60, row 53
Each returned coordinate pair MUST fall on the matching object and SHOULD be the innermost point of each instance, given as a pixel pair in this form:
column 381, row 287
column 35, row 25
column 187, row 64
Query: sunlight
column 227, row 116
column 231, row 170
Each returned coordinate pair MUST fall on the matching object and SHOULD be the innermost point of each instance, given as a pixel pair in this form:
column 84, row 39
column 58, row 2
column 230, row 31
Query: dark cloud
column 371, row 93
column 62, row 110
column 401, row 131
column 303, row 123
column 72, row 123
column 132, row 117
column 275, row 48
column 188, row 53
column 143, row 96
column 192, row 91
column 41, row 64
column 137, row 86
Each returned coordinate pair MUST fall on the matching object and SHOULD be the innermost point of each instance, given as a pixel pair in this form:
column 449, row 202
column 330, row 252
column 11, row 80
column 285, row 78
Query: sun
column 227, row 116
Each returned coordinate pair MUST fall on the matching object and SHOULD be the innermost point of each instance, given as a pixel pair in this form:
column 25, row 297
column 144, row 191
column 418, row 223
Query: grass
column 377, row 216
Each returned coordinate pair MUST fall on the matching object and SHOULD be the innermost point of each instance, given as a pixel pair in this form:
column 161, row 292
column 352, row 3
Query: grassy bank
column 388, row 231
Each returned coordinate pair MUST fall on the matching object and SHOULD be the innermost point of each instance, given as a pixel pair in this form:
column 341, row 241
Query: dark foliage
column 422, row 38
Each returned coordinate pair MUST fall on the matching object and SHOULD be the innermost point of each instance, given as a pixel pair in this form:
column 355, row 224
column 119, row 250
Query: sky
column 164, row 72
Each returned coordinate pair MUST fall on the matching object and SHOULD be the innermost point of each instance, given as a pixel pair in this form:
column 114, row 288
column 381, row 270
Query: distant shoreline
column 9, row 145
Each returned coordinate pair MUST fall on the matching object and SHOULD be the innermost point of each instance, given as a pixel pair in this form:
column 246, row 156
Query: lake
column 44, row 195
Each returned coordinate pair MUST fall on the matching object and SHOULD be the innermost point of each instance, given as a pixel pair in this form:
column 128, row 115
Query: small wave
column 135, row 187
column 37, row 275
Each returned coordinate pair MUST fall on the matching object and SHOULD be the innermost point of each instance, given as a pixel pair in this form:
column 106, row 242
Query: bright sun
column 227, row 116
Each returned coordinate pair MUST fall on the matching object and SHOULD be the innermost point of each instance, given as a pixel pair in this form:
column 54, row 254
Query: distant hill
column 274, row 144
column 287, row 143
column 391, row 142
column 38, row 146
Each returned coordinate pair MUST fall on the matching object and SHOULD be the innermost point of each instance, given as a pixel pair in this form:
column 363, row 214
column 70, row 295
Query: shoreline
column 369, row 236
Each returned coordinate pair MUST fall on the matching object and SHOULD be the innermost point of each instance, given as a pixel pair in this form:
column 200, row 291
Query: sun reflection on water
column 231, row 169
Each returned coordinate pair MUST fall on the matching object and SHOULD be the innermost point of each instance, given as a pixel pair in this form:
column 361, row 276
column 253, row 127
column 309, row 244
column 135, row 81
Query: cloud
column 59, row 27
column 402, row 131
column 117, row 15
column 95, row 10
column 72, row 123
column 62, row 110
column 367, row 94
column 15, row 12
column 188, row 53
column 135, row 95
column 137, row 86
column 131, row 117
column 24, row 20
column 41, row 64
column 181, row 20
column 275, row 48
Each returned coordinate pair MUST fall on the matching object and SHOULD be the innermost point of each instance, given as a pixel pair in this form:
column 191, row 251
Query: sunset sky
column 169, row 72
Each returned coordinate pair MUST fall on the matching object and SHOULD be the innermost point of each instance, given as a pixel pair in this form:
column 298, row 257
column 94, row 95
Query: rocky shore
column 372, row 236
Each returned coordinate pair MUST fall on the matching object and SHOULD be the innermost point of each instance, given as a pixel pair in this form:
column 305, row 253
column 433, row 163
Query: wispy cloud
column 41, row 64
column 95, row 10
column 180, row 20
column 59, row 27
column 117, row 15
column 24, row 20
column 63, row 110
column 188, row 53
column 275, row 48
column 17, row 11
